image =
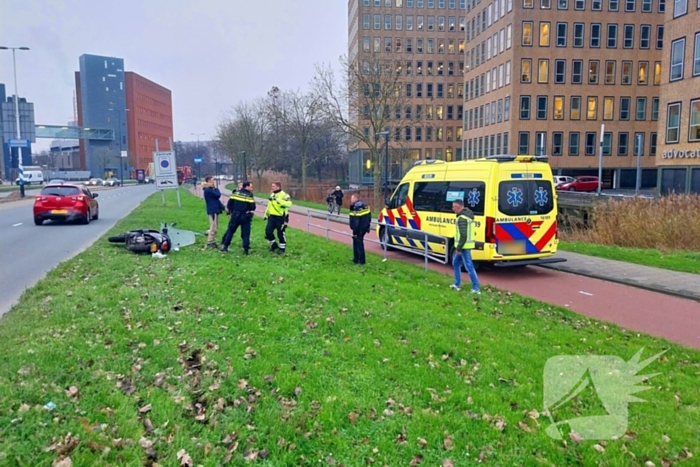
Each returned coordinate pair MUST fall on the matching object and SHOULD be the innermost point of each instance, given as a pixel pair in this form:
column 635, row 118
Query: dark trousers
column 242, row 220
column 358, row 248
column 276, row 223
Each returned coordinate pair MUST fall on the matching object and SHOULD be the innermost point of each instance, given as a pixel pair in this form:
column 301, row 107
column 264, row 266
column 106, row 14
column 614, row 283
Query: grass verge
column 202, row 358
column 683, row 261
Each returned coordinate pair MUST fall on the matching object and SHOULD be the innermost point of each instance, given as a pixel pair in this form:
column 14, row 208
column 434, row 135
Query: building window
column 608, row 108
column 696, row 53
column 644, row 36
column 526, row 67
column 677, row 55
column 562, row 4
column 509, row 35
column 680, row 7
column 610, row 72
column 541, row 107
column 579, row 31
column 574, row 143
column 607, row 143
column 625, row 103
column 365, row 21
column 653, row 138
column 639, row 144
column 659, row 37
column 528, row 3
column 524, row 142
column 561, row 34
column 507, row 72
column 544, row 34
column 592, row 108
column 613, row 5
column 646, row 6
column 557, row 143
column 593, row 71
column 643, row 73
column 506, row 109
column 575, row 113
column 560, row 71
column 623, row 142
column 628, row 39
column 662, row 6
column 694, row 124
column 673, row 123
column 398, row 22
column 576, row 71
column 595, row 35
column 377, row 22
column 579, row 4
column 641, row 113
column 612, row 36
column 626, row 72
column 543, row 71
column 558, row 108
column 527, row 33
column 657, row 73
column 596, row 5
column 524, row 107
column 590, row 143
column 655, row 108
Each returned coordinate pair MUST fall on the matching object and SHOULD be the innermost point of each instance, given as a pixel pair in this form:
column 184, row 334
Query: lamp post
column 121, row 156
column 19, row 135
column 245, row 168
column 198, row 154
column 385, row 133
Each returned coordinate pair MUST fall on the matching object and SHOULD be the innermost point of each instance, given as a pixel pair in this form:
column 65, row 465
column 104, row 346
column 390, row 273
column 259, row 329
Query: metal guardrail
column 384, row 244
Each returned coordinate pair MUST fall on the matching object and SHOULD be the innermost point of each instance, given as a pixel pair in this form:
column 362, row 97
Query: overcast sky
column 210, row 54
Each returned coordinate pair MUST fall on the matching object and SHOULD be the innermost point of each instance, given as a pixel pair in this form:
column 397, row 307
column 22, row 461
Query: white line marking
column 16, row 225
column 585, row 293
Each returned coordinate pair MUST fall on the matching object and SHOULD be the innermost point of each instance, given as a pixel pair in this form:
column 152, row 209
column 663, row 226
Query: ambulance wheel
column 384, row 238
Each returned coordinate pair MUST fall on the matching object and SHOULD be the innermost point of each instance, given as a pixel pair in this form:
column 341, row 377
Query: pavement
column 28, row 252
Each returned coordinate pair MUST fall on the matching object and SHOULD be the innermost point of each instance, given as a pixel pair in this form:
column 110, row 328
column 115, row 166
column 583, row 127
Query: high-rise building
column 678, row 157
column 150, row 118
column 137, row 109
column 423, row 41
column 8, row 131
column 543, row 76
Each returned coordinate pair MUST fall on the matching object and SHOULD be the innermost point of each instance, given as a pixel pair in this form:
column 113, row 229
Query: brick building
column 678, row 157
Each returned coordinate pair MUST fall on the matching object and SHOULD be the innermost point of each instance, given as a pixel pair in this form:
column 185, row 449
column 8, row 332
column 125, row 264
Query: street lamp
column 121, row 162
column 198, row 154
column 385, row 133
column 20, row 168
column 245, row 168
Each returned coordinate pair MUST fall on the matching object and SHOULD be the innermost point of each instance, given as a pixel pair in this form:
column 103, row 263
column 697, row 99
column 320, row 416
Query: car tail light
column 490, row 230
column 37, row 198
column 80, row 198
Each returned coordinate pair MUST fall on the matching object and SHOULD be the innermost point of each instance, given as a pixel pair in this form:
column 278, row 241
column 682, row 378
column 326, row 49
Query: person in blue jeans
column 464, row 244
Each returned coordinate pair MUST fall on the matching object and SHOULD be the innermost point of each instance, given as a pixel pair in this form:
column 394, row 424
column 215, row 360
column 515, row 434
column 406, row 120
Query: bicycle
column 330, row 201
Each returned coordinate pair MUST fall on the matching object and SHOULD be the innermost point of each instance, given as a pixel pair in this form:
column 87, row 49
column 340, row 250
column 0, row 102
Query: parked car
column 149, row 180
column 65, row 202
column 95, row 182
column 586, row 183
column 112, row 182
column 559, row 179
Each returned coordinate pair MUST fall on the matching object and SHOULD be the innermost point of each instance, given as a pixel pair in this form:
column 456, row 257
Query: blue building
column 100, row 91
column 8, row 131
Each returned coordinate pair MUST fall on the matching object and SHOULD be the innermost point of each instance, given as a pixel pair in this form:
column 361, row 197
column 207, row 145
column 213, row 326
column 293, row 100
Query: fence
column 384, row 242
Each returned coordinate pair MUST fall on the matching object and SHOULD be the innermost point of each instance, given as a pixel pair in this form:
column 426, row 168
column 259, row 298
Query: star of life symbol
column 473, row 197
column 515, row 197
column 608, row 378
column 541, row 196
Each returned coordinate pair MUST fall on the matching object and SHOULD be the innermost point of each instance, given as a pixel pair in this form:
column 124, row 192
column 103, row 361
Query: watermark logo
column 606, row 383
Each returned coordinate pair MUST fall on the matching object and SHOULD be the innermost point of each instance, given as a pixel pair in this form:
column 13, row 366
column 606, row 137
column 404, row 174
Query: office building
column 542, row 76
column 678, row 157
column 423, row 40
column 8, row 131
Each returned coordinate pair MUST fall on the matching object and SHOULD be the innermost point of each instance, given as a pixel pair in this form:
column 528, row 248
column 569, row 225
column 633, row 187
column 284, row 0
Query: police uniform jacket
column 360, row 218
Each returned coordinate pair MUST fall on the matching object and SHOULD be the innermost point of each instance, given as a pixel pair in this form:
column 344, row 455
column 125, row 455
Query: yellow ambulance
column 512, row 197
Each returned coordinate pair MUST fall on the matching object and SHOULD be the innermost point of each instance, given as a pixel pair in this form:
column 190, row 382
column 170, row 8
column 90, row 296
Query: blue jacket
column 212, row 199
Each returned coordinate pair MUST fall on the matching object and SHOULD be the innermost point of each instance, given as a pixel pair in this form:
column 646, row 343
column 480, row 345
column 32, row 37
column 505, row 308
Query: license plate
column 512, row 248
column 59, row 211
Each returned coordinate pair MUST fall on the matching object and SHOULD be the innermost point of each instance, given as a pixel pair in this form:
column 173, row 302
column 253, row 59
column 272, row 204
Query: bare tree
column 366, row 100
column 103, row 156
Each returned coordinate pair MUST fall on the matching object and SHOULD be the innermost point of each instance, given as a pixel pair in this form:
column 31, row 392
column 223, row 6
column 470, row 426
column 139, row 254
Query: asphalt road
column 28, row 252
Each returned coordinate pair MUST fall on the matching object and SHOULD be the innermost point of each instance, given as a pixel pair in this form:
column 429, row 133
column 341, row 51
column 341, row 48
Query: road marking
column 17, row 225
column 585, row 293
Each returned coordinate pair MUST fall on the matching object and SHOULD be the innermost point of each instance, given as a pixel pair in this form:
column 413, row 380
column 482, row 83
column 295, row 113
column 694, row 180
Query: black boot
column 212, row 245
column 245, row 251
column 223, row 248
column 273, row 247
column 280, row 251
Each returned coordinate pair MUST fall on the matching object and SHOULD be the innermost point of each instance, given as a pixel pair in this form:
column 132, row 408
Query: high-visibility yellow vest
column 278, row 204
column 469, row 238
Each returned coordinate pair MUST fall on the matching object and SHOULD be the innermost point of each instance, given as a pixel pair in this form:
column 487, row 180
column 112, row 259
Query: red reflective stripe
column 547, row 237
column 501, row 233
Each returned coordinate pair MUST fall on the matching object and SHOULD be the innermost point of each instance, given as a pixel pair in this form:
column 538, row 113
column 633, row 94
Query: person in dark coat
column 240, row 207
column 212, row 199
column 338, row 195
column 360, row 221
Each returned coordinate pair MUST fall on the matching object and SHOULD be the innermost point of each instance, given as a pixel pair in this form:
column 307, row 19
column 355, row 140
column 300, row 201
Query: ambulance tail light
column 490, row 230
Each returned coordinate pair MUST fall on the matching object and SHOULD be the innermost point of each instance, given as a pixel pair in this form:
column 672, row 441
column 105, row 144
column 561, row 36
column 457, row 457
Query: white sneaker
column 455, row 287
column 477, row 292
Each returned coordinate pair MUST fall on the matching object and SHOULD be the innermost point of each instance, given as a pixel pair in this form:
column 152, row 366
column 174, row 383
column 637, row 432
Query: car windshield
column 60, row 191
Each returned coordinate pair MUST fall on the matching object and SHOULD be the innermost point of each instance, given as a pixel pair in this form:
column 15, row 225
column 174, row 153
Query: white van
column 32, row 177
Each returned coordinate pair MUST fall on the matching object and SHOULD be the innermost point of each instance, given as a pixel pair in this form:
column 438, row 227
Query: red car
column 586, row 183
column 65, row 202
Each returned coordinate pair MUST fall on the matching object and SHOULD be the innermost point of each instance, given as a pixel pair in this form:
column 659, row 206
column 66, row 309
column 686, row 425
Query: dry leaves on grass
column 62, row 462
column 184, row 458
column 72, row 391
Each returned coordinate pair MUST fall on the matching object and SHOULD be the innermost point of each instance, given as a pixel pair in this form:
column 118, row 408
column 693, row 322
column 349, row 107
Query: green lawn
column 684, row 261
column 305, row 359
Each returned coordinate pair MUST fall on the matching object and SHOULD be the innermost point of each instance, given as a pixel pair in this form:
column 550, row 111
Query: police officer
column 360, row 220
column 277, row 215
column 240, row 207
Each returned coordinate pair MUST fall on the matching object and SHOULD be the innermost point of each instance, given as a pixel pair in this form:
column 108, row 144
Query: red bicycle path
column 673, row 318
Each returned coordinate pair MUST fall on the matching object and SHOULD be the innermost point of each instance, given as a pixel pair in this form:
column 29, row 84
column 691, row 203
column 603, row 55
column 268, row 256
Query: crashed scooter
column 156, row 242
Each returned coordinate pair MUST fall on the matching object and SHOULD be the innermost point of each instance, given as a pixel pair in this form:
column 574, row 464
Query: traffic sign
column 18, row 143
column 166, row 171
column 198, row 159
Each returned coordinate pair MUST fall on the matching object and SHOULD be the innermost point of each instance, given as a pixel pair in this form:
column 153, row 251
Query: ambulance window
column 429, row 196
column 400, row 196
column 525, row 197
column 472, row 193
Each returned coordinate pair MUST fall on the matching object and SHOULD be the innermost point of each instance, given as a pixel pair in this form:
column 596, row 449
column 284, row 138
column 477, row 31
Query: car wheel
column 97, row 214
column 384, row 237
column 38, row 221
column 571, row 189
column 86, row 219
